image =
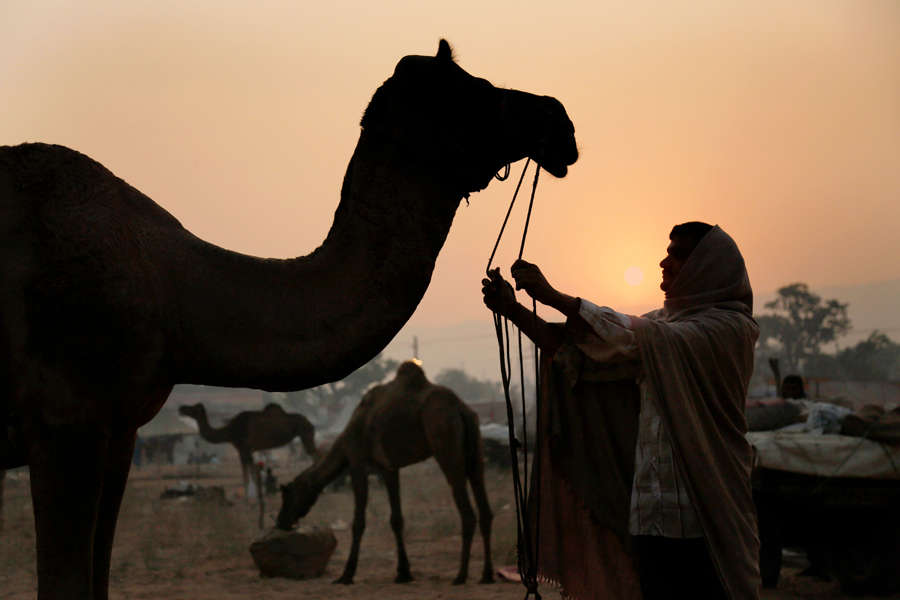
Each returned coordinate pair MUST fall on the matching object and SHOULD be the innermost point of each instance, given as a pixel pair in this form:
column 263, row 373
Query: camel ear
column 444, row 51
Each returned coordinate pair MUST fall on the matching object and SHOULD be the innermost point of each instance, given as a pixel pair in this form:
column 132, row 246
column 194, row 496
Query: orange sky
column 778, row 121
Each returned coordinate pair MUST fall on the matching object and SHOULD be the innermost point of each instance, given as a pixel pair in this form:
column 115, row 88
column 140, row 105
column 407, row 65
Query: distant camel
column 107, row 301
column 395, row 425
column 254, row 430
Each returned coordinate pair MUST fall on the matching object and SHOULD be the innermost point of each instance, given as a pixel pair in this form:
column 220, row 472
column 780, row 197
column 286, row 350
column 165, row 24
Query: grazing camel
column 107, row 301
column 395, row 425
column 253, row 430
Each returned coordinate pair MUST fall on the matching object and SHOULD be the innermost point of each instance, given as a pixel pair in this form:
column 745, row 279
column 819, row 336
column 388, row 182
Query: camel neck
column 297, row 323
column 208, row 432
column 327, row 469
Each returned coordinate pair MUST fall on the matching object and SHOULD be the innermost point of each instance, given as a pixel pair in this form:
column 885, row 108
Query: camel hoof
column 343, row 580
column 487, row 579
column 459, row 580
column 403, row 578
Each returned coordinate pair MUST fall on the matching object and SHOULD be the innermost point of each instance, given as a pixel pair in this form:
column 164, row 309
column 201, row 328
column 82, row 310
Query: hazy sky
column 777, row 120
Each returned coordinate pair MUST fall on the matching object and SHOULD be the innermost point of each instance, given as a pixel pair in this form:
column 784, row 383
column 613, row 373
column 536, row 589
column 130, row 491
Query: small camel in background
column 254, row 430
column 398, row 424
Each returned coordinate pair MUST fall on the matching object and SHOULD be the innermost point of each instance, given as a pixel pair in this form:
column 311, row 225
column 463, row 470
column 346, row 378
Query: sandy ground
column 184, row 548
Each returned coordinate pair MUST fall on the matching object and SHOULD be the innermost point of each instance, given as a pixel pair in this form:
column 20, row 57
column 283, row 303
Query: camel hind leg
column 115, row 477
column 485, row 515
column 447, row 439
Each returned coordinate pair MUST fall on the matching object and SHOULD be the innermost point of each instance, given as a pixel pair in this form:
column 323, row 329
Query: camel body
column 398, row 424
column 107, row 302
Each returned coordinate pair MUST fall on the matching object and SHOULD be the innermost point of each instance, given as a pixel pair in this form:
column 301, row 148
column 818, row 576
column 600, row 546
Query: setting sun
column 634, row 276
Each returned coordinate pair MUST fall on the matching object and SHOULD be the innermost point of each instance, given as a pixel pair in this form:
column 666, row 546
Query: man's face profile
column 677, row 253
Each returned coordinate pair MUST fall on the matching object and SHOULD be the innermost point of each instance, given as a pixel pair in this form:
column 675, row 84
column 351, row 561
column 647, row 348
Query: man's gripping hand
column 498, row 293
column 529, row 278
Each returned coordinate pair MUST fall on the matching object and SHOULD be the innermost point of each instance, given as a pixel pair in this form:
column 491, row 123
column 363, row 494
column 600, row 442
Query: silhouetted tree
column 801, row 322
column 877, row 358
column 321, row 404
column 469, row 388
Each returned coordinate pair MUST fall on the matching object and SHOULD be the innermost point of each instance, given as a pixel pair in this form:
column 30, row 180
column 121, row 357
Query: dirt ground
column 186, row 548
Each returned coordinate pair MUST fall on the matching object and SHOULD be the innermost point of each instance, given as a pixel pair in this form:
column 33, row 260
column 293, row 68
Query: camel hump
column 370, row 397
column 410, row 373
column 441, row 394
column 273, row 409
column 54, row 173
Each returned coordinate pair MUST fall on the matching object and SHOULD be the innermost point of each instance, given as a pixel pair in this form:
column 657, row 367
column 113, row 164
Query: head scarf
column 714, row 274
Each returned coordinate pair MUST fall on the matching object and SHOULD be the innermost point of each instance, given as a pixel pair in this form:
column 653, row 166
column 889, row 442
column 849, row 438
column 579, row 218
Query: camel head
column 297, row 498
column 465, row 127
column 194, row 411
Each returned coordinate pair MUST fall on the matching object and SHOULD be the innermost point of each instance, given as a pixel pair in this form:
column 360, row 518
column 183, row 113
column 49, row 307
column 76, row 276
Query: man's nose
column 663, row 262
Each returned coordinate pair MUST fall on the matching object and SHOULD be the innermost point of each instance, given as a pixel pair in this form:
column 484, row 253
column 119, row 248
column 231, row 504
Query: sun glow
column 634, row 276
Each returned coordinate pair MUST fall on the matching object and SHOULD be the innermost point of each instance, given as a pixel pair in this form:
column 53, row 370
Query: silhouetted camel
column 254, row 430
column 395, row 425
column 107, row 302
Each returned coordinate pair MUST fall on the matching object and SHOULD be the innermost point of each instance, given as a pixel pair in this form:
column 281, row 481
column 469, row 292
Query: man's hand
column 498, row 293
column 529, row 278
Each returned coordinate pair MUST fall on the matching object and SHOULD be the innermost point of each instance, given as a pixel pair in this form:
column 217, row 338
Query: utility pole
column 415, row 348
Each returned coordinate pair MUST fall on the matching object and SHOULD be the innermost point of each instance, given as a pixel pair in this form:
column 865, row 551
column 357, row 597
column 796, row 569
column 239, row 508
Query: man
column 792, row 387
column 692, row 521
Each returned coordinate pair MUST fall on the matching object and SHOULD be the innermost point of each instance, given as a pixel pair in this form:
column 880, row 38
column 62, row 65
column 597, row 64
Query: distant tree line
column 799, row 323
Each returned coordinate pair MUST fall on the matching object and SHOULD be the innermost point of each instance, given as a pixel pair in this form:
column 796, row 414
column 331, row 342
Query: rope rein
column 527, row 545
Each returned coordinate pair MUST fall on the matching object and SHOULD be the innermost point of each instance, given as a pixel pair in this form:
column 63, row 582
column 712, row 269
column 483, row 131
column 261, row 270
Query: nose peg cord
column 527, row 541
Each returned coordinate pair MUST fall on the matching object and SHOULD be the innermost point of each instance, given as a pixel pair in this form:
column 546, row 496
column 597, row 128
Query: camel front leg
column 260, row 494
column 115, row 477
column 246, row 459
column 360, row 478
column 392, row 483
column 67, row 464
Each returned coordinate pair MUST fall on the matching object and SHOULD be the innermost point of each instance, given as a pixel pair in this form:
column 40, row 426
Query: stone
column 301, row 553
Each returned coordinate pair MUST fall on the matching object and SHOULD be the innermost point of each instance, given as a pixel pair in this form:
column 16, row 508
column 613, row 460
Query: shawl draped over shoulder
column 696, row 354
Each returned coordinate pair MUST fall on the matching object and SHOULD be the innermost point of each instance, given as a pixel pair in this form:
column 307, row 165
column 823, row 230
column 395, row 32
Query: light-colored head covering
column 713, row 275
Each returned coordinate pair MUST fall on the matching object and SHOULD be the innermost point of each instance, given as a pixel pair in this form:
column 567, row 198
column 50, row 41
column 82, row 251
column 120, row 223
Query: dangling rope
column 527, row 545
column 508, row 212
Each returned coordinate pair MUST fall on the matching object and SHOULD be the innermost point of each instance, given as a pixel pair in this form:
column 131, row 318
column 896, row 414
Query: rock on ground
column 299, row 554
